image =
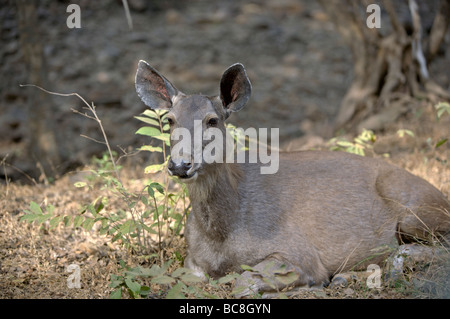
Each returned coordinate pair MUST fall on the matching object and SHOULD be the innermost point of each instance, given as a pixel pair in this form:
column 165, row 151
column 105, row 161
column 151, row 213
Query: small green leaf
column 179, row 272
column 29, row 217
column 269, row 282
column 147, row 120
column 442, row 107
column 158, row 187
column 149, row 131
column 67, row 220
column 55, row 221
column 150, row 191
column 246, row 267
column 88, row 223
column 151, row 148
column 238, row 290
column 441, row 142
column 175, row 291
column 151, row 113
column 149, row 229
column 50, row 208
column 228, row 278
column 35, row 208
column 161, row 113
column 77, row 221
column 190, row 278
column 153, row 168
column 162, row 280
column 154, row 271
column 402, row 132
column 144, row 291
column 164, row 137
column 116, row 294
column 43, row 218
column 144, row 200
column 125, row 228
column 287, row 278
column 80, row 184
column 115, row 281
column 91, row 208
column 345, row 144
column 133, row 286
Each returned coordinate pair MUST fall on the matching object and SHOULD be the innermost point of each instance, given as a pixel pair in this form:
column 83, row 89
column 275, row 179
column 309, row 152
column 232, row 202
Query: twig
column 92, row 139
column 4, row 163
column 6, row 175
column 127, row 14
column 83, row 114
column 92, row 109
column 95, row 118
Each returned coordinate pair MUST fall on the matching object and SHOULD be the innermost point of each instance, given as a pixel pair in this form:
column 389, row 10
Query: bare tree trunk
column 40, row 109
column 390, row 69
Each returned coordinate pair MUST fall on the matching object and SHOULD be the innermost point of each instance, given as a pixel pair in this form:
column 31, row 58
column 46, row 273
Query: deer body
column 321, row 213
column 333, row 217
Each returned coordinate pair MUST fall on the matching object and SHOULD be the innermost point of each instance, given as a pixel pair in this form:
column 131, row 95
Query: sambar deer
column 321, row 213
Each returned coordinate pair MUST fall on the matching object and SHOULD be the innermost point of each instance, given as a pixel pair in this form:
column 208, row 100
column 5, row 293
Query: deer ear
column 235, row 88
column 154, row 89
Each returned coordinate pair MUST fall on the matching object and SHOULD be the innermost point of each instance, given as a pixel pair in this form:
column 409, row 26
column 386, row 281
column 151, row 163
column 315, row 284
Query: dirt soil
column 299, row 69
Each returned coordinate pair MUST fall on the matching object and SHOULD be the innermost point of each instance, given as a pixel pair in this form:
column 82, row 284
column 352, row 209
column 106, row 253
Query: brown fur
column 321, row 213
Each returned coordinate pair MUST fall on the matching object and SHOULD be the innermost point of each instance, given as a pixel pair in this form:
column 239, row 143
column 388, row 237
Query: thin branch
column 83, row 114
column 4, row 163
column 127, row 14
column 92, row 109
column 92, row 139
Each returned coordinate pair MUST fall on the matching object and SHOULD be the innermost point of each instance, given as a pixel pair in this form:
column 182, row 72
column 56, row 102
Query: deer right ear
column 235, row 88
column 154, row 89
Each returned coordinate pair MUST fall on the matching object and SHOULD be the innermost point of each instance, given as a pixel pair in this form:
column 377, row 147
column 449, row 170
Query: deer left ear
column 153, row 88
column 235, row 88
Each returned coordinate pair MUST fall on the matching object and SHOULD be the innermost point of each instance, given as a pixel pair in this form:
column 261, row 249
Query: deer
column 321, row 213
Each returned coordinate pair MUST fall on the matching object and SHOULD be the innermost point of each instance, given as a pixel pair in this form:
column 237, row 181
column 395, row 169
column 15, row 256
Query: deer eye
column 212, row 122
column 170, row 121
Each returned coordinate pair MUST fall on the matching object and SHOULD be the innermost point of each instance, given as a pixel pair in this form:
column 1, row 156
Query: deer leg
column 272, row 274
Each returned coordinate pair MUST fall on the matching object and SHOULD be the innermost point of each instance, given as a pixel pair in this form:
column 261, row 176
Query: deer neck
column 214, row 197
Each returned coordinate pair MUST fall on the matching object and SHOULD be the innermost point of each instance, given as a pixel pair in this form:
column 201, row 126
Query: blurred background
column 299, row 65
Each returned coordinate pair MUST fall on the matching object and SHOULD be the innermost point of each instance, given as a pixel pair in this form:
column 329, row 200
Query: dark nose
column 179, row 169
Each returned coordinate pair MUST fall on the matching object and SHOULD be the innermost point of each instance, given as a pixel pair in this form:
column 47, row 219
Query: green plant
column 441, row 108
column 401, row 133
column 180, row 283
column 150, row 219
column 358, row 146
column 152, row 212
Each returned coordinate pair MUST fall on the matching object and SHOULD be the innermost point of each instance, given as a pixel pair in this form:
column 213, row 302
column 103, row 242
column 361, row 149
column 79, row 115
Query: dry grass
column 33, row 259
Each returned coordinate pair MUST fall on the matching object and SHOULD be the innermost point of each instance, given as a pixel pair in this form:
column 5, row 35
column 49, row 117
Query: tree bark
column 390, row 68
column 42, row 143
